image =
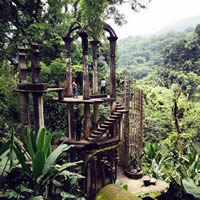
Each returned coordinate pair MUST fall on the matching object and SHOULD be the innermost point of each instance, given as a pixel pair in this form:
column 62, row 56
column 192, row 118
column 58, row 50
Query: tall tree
column 47, row 21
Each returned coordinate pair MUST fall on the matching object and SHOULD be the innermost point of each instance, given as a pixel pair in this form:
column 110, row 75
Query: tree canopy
column 47, row 21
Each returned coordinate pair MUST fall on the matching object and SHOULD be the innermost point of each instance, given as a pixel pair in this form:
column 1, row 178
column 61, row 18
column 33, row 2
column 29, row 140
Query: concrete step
column 111, row 119
column 95, row 136
column 104, row 125
column 101, row 129
column 108, row 122
column 91, row 138
column 119, row 108
column 117, row 113
column 123, row 111
column 98, row 132
column 114, row 116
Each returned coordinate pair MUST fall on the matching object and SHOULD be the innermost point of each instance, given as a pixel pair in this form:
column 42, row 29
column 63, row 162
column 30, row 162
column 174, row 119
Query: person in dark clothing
column 103, row 86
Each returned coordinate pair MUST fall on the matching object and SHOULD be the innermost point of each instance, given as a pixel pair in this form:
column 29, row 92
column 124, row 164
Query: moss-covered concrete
column 115, row 192
column 96, row 151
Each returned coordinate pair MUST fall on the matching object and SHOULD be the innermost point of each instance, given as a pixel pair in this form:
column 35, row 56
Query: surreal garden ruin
column 119, row 144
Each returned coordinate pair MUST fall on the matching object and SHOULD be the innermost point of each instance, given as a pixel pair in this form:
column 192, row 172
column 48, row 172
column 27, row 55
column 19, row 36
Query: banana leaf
column 38, row 164
column 53, row 156
column 40, row 139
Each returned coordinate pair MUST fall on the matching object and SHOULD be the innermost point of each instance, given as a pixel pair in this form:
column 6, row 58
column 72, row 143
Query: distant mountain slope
column 140, row 54
column 143, row 53
column 181, row 25
column 134, row 51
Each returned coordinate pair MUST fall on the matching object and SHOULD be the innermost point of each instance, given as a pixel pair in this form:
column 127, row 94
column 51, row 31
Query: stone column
column 24, row 97
column 96, row 115
column 22, row 64
column 37, row 96
column 38, row 111
column 24, row 110
column 94, row 44
column 112, row 65
column 35, row 64
column 84, row 38
column 68, row 86
column 68, row 81
column 71, row 121
column 87, row 120
column 112, row 40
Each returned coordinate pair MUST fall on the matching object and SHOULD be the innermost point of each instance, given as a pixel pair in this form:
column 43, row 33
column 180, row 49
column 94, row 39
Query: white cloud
column 159, row 14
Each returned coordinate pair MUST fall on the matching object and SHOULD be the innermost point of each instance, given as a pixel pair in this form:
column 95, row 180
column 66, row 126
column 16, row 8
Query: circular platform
column 81, row 100
column 137, row 185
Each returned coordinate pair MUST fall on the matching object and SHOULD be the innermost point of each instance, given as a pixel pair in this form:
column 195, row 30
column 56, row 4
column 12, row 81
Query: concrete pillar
column 71, row 121
column 68, row 81
column 94, row 44
column 84, row 38
column 87, row 120
column 112, row 66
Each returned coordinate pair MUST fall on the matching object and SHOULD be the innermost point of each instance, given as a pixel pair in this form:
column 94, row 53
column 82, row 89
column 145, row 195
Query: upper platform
column 42, row 88
column 79, row 100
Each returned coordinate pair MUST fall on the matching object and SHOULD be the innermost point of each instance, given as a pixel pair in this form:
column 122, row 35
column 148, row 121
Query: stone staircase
column 102, row 130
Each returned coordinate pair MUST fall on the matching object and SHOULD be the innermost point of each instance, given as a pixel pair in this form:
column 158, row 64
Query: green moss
column 100, row 150
column 115, row 192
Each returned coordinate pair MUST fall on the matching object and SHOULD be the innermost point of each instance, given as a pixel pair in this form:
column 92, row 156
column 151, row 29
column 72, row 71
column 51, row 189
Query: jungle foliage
column 28, row 170
column 167, row 68
column 31, row 169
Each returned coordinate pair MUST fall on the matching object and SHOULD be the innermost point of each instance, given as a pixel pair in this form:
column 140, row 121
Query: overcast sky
column 159, row 14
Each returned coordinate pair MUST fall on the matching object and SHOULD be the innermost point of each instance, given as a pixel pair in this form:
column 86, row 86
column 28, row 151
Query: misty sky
column 159, row 14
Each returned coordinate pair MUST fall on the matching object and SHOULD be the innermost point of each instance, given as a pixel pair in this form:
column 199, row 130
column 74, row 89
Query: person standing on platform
column 74, row 88
column 103, row 86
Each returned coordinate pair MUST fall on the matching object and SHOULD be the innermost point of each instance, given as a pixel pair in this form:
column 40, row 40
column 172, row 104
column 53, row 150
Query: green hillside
column 145, row 50
column 167, row 68
column 140, row 54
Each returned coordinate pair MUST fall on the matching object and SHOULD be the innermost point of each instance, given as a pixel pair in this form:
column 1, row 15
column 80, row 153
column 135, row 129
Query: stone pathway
column 137, row 185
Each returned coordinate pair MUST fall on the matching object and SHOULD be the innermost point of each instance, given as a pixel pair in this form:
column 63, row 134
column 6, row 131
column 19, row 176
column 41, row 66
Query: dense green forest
column 166, row 67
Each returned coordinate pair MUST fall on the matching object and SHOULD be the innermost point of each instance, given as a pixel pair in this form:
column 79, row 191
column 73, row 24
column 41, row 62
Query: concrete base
column 135, row 186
